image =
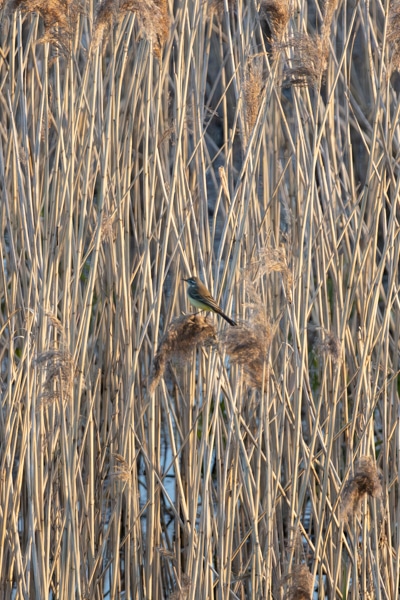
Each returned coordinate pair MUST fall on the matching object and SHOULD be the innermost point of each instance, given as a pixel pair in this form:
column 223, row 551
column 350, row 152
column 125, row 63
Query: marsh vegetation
column 147, row 452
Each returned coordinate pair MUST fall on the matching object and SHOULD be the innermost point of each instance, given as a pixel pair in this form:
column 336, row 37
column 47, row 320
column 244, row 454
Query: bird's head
column 191, row 280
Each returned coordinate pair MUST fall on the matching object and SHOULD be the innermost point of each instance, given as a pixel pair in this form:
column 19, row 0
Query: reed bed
column 147, row 452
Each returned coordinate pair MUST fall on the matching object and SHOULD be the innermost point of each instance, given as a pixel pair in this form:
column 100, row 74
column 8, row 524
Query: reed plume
column 248, row 345
column 365, row 481
column 393, row 34
column 183, row 335
column 330, row 345
column 276, row 13
column 152, row 16
column 253, row 86
column 59, row 375
column 60, row 19
column 307, row 60
column 301, row 583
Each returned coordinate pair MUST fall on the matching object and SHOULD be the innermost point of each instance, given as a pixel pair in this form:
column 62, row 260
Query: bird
column 200, row 297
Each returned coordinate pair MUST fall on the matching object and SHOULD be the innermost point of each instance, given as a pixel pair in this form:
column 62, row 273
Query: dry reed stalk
column 218, row 491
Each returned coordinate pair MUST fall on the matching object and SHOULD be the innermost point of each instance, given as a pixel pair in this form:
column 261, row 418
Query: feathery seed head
column 301, row 583
column 394, row 33
column 179, row 341
column 366, row 480
column 276, row 13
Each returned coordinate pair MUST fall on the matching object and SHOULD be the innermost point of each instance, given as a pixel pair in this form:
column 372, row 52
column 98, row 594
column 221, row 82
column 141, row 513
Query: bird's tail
column 230, row 321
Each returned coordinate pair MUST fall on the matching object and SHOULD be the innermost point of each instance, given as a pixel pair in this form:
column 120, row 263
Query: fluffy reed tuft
column 271, row 260
column 394, row 34
column 106, row 15
column 152, row 15
column 59, row 16
column 277, row 14
column 179, row 341
column 301, row 583
column 307, row 61
column 122, row 471
column 330, row 345
column 329, row 10
column 184, row 584
column 248, row 346
column 366, row 480
column 308, row 53
column 59, row 368
column 253, row 85
column 217, row 6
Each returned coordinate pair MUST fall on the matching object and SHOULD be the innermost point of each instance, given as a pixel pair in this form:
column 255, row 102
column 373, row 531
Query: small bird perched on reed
column 200, row 297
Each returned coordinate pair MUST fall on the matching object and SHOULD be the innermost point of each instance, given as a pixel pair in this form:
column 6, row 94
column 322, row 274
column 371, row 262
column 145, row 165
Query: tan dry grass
column 119, row 175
